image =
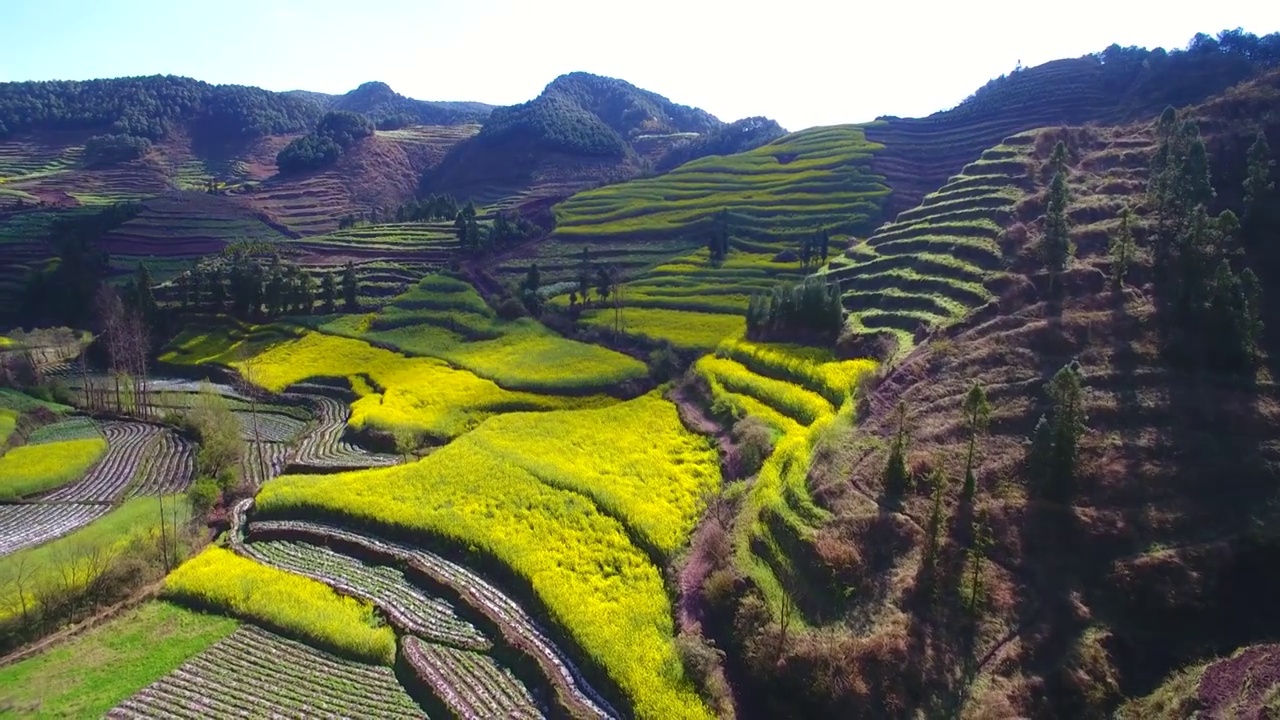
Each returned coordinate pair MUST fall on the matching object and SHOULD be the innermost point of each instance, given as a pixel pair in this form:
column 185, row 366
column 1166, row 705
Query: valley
column 599, row 406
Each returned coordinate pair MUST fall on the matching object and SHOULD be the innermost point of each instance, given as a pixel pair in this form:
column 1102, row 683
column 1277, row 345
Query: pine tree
column 350, row 289
column 329, row 294
column 937, row 521
column 144, row 296
column 1122, row 249
column 897, row 478
column 977, row 412
column 1066, row 427
column 982, row 541
column 533, row 278
column 1058, row 160
column 1057, row 238
column 1258, row 184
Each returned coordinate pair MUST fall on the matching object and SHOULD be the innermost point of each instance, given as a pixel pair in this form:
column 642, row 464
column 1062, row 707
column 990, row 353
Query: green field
column 816, row 178
column 89, row 674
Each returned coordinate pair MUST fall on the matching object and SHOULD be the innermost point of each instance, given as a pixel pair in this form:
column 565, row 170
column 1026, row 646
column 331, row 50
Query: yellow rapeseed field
column 812, row 368
column 803, row 406
column 635, row 459
column 681, row 328
column 33, row 468
column 420, row 394
column 596, row 584
column 219, row 580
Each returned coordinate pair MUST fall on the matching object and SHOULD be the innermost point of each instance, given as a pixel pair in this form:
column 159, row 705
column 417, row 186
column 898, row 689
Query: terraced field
column 929, row 268
column 444, row 317
column 775, row 194
column 691, row 302
column 381, row 173
column 255, row 673
column 187, row 225
column 799, row 394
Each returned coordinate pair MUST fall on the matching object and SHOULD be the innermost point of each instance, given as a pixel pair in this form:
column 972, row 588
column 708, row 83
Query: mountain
column 583, row 129
column 390, row 110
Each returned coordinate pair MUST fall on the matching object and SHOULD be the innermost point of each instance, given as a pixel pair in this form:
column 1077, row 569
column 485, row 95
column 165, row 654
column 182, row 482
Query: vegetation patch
column 221, row 581
column 89, row 674
column 34, row 468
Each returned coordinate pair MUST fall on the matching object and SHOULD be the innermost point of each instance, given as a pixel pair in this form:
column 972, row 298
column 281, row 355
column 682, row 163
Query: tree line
column 253, row 287
column 808, row 312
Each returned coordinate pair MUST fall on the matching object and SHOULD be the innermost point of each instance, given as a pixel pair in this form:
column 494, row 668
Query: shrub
column 755, row 443
column 109, row 149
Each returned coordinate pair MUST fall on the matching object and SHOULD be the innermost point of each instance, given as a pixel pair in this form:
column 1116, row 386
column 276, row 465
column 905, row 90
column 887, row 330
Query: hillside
column 1153, row 559
column 1116, row 85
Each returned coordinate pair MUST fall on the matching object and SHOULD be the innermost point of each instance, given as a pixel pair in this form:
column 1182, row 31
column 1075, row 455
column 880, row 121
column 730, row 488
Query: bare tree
column 249, row 386
column 109, row 315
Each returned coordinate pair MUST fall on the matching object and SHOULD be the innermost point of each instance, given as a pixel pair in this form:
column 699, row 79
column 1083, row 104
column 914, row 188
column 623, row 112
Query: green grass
column 8, row 422
column 93, row 672
column 35, row 468
column 75, row 558
column 803, row 181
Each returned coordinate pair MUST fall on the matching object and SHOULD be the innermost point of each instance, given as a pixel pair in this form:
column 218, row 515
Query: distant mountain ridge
column 389, row 109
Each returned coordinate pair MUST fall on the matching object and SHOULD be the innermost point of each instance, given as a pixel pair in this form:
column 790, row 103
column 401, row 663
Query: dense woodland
column 150, row 107
column 591, row 115
column 389, row 110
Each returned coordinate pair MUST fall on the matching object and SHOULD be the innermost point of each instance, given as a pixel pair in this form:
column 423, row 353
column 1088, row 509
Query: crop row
column 73, row 428
column 263, row 461
column 409, row 608
column 471, row 684
column 168, row 466
column 323, row 446
column 254, row 673
column 269, row 427
column 106, row 481
column 516, row 625
column 23, row 526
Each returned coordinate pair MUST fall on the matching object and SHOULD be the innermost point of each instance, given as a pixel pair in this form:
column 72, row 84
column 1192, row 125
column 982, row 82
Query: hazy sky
column 801, row 62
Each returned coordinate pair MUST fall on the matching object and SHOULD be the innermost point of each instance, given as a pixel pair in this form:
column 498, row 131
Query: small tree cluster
column 808, row 311
column 815, row 247
column 465, row 226
column 1053, row 457
column 1214, row 309
column 336, row 132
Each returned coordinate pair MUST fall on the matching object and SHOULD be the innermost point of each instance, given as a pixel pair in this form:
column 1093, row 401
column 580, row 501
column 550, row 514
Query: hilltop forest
column 600, row 406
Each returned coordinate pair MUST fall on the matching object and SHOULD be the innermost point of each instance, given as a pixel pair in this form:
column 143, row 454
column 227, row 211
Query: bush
column 203, row 495
column 755, row 444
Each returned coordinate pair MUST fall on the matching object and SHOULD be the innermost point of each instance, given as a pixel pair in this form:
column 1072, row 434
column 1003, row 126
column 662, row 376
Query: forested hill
column 150, row 108
column 390, row 110
column 593, row 115
column 1115, row 85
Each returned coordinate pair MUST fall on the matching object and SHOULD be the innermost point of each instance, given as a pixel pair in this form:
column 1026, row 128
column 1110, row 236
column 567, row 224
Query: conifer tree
column 937, row 521
column 1066, row 428
column 897, row 478
column 977, row 414
column 1057, row 238
column 1058, row 160
column 1122, row 249
column 329, row 294
column 350, row 289
column 1258, row 184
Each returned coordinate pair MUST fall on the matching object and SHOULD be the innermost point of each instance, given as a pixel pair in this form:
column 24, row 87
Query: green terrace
column 927, row 268
column 777, row 193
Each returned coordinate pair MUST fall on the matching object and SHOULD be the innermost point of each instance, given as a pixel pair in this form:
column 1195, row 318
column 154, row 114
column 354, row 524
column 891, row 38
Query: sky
column 800, row 62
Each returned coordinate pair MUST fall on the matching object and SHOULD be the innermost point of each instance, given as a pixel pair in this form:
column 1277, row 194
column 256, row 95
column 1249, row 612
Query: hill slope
column 1154, row 560
column 1112, row 86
